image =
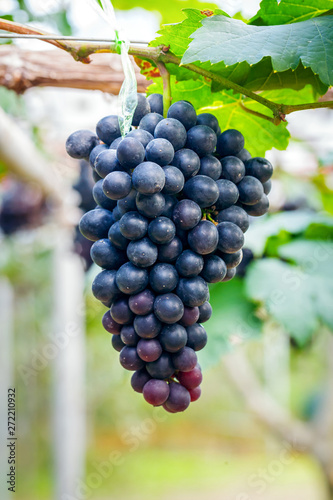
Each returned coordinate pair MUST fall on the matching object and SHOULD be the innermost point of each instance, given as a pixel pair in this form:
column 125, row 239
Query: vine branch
column 81, row 51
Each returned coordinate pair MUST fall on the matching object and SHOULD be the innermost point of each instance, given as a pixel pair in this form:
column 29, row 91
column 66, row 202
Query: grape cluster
column 173, row 203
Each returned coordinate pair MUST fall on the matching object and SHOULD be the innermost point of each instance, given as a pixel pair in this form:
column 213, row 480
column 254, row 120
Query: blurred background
column 263, row 428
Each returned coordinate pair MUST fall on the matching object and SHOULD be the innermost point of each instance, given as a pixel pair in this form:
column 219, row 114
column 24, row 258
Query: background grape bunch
column 173, row 203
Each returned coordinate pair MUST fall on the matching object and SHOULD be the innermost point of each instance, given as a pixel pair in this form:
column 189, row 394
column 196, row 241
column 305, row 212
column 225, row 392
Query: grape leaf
column 233, row 321
column 232, row 41
column 289, row 11
column 260, row 76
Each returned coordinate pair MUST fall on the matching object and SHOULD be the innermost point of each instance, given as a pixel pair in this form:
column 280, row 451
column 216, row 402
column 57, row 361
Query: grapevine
column 173, row 199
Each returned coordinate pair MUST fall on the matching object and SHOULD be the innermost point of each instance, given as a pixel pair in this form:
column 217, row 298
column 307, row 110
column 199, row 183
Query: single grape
column 179, row 398
column 149, row 349
column 115, row 143
column 202, row 189
column 139, row 379
column 250, row 190
column 150, row 205
column 104, row 286
column 184, row 112
column 228, row 194
column 163, row 278
column 260, row 168
column 129, row 359
column 170, row 251
column 142, row 303
column 196, row 337
column 108, row 129
column 173, row 131
column 230, row 143
column 130, row 152
column 130, row 279
column 80, row 143
column 168, row 308
column 142, row 253
column 202, row 140
column 129, row 336
column 117, row 185
column 231, row 237
column 231, row 259
column 204, row 238
column 214, row 269
column 100, row 198
column 116, row 214
column 117, row 343
column 173, row 338
column 233, row 169
column 121, row 312
column 107, row 162
column 230, row 275
column 192, row 291
column 189, row 264
column 209, row 120
column 236, row 215
column 205, row 312
column 110, row 325
column 142, row 136
column 162, row 368
column 185, row 359
column 267, row 187
column 186, row 214
column 160, row 151
column 147, row 326
column 210, row 166
column 116, row 238
column 187, row 161
column 169, row 205
column 259, row 208
column 156, row 392
column 174, row 180
column 190, row 316
column 133, row 226
column 161, row 230
column 149, row 122
column 105, row 255
column 156, row 103
column 128, row 203
column 142, row 109
column 191, row 379
column 195, row 394
column 244, row 155
column 95, row 152
column 95, row 224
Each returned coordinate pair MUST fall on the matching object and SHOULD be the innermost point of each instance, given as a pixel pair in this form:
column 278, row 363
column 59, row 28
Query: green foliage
column 231, row 41
column 290, row 11
column 298, row 295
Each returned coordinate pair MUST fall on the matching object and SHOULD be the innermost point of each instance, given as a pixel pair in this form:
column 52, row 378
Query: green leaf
column 232, row 41
column 233, row 321
column 290, row 11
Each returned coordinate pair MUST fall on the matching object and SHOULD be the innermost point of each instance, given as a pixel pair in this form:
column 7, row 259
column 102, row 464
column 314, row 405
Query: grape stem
column 166, row 87
column 81, row 51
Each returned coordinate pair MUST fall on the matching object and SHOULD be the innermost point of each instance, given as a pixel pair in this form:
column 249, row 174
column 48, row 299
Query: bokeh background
column 263, row 428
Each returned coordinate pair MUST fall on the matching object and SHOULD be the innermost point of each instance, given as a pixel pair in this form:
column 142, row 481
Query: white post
column 69, row 409
column 6, row 375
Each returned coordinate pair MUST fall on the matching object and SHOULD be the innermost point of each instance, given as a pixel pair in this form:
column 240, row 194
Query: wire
column 61, row 37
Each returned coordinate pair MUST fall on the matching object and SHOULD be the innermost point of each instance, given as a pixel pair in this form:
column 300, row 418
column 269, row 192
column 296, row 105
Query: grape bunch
column 173, row 203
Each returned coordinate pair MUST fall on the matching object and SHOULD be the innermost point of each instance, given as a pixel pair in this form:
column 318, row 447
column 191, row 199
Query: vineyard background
column 82, row 431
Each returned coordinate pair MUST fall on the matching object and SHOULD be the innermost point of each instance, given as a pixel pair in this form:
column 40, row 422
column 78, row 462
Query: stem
column 256, row 113
column 82, row 51
column 166, row 87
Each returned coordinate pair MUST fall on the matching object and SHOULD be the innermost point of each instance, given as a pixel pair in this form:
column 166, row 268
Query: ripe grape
column 173, row 337
column 214, row 269
column 129, row 359
column 196, row 337
column 184, row 112
column 260, row 168
column 95, row 224
column 209, row 120
column 236, row 215
column 156, row 103
column 150, row 205
column 133, row 226
column 250, row 190
column 142, row 109
column 163, row 278
column 117, row 185
column 191, row 379
column 139, row 379
column 142, row 253
column 186, row 214
column 80, row 144
column 108, row 129
column 205, row 312
column 130, row 279
column 187, row 161
column 202, row 189
column 149, row 122
column 142, row 303
column 201, row 139
column 230, row 143
column 147, row 326
column 210, row 166
column 204, row 238
column 149, row 349
column 161, row 230
column 179, row 398
column 173, row 131
column 160, row 151
column 233, row 169
column 168, row 308
column 156, row 392
column 231, row 237
column 130, row 152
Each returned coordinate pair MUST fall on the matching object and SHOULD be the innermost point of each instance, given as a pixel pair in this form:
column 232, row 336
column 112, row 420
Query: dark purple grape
column 117, row 185
column 231, row 259
column 204, row 238
column 110, row 324
column 80, row 143
column 160, row 151
column 163, row 278
column 260, row 168
column 192, row 291
column 185, row 359
column 210, row 166
column 107, row 256
column 168, row 308
column 104, row 286
column 139, row 379
column 149, row 349
column 147, row 326
column 267, row 187
column 169, row 205
column 205, row 312
column 196, row 337
column 233, row 169
column 202, row 189
column 202, row 140
column 142, row 253
column 149, row 122
column 231, row 237
column 148, row 178
column 161, row 230
column 230, row 143
column 116, row 238
column 142, row 303
column 128, row 203
column 108, row 129
column 173, row 338
column 228, row 194
column 190, row 316
column 250, row 190
column 117, row 343
column 156, row 392
column 259, row 208
column 150, row 205
column 174, row 180
column 244, row 155
column 129, row 359
column 187, row 161
column 236, row 215
column 179, row 398
column 230, row 275
column 184, row 112
column 142, row 109
column 129, row 336
column 191, row 379
column 95, row 224
column 142, row 136
column 100, row 198
column 121, row 312
column 209, row 120
column 133, row 226
column 130, row 153
column 156, row 103
column 106, row 162
column 173, row 131
column 95, row 152
column 189, row 264
column 162, row 368
column 130, row 279
column 186, row 214
column 170, row 251
column 214, row 269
